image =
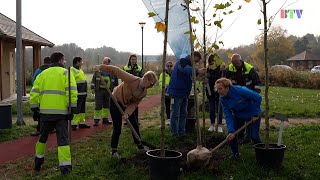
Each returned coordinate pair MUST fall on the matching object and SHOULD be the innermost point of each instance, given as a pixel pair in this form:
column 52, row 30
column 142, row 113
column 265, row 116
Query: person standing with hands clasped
column 128, row 94
column 215, row 70
column 167, row 100
column 240, row 104
column 49, row 96
column 133, row 68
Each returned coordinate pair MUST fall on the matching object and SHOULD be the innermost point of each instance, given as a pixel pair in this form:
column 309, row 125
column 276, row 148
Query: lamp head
column 142, row 24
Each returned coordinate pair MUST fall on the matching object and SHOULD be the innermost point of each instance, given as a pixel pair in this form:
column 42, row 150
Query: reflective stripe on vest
column 63, row 93
column 249, row 83
column 53, row 111
column 257, row 87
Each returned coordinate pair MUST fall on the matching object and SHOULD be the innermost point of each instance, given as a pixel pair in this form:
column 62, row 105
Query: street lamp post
column 142, row 26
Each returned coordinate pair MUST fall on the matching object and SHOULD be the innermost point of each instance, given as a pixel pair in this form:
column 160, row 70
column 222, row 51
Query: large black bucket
column 6, row 116
column 270, row 158
column 164, row 168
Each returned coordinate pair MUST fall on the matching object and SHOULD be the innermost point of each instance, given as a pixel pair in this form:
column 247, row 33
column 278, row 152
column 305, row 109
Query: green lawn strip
column 16, row 132
column 294, row 102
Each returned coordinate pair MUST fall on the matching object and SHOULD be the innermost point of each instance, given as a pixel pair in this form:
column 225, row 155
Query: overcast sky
column 114, row 23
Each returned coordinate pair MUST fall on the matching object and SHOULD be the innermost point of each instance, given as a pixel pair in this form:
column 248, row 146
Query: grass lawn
column 91, row 156
column 92, row 159
column 294, row 102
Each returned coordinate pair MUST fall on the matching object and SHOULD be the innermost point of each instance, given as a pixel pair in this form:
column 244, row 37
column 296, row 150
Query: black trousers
column 102, row 99
column 50, row 121
column 81, row 104
column 117, row 124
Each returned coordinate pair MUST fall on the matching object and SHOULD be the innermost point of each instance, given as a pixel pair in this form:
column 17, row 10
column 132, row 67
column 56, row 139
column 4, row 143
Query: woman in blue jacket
column 239, row 104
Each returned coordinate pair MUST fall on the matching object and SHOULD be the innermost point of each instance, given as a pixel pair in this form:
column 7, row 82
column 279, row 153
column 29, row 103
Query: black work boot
column 96, row 122
column 106, row 121
column 84, row 126
column 66, row 169
column 74, row 127
column 37, row 163
column 37, row 133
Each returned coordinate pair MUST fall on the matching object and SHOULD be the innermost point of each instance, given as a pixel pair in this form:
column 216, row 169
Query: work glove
column 70, row 115
column 35, row 109
column 74, row 110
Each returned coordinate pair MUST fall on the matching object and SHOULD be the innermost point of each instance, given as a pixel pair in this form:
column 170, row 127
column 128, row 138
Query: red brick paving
column 19, row 148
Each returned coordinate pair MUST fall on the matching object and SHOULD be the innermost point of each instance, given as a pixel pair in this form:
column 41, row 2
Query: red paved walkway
column 13, row 150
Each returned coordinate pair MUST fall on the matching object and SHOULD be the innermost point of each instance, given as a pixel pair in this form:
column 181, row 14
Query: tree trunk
column 266, row 93
column 162, row 152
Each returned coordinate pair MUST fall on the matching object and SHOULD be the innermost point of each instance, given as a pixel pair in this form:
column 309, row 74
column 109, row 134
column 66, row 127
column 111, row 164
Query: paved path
column 16, row 149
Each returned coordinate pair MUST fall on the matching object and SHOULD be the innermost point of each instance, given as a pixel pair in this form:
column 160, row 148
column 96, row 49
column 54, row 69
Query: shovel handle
column 235, row 133
column 121, row 111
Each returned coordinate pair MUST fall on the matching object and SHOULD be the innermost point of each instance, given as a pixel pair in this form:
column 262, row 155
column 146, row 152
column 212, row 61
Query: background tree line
column 90, row 56
column 281, row 47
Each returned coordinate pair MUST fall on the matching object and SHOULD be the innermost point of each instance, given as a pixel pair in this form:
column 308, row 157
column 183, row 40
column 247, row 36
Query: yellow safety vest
column 136, row 72
column 51, row 91
column 246, row 65
column 81, row 80
column 167, row 80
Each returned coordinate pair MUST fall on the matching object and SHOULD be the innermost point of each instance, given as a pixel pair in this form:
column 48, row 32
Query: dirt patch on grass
column 294, row 121
column 184, row 145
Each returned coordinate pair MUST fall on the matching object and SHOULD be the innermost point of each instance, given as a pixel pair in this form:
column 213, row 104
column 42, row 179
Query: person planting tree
column 240, row 104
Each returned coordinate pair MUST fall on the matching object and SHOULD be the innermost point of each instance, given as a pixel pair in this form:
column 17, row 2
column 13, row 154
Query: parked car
column 281, row 67
column 315, row 69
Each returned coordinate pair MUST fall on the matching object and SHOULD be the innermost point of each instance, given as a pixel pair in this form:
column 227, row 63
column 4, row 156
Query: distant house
column 305, row 60
column 7, row 54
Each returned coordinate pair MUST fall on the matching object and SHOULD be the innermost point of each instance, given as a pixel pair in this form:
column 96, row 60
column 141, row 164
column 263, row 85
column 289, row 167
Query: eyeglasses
column 169, row 66
column 151, row 83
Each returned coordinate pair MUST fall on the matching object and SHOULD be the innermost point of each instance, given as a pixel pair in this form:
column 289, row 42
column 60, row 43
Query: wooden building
column 8, row 58
column 305, row 60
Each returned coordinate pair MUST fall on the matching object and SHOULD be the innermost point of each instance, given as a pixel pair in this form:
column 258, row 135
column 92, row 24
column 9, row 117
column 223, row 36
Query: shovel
column 200, row 157
column 150, row 146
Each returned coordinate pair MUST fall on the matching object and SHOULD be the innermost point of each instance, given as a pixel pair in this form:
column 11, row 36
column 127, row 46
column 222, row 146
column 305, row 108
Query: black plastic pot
column 164, row 168
column 6, row 116
column 270, row 158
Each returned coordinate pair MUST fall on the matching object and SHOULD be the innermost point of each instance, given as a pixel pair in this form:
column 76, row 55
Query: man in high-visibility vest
column 102, row 97
column 81, row 80
column 243, row 74
column 167, row 100
column 49, row 96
